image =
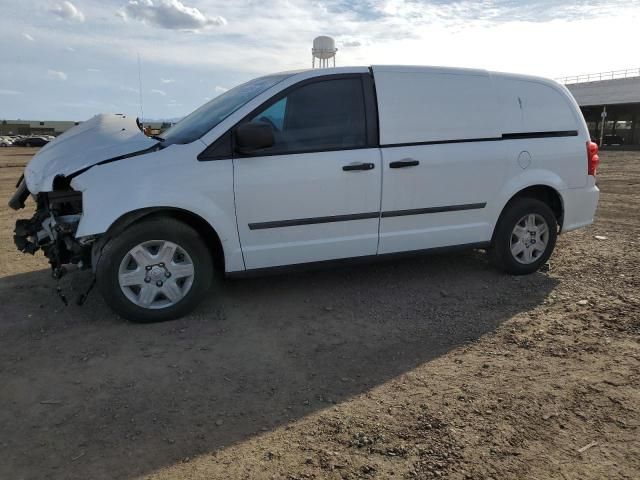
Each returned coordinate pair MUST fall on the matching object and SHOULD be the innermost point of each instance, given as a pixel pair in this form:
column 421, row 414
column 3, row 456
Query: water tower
column 323, row 49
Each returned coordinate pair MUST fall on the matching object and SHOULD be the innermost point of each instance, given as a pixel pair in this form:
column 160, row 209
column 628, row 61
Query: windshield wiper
column 157, row 137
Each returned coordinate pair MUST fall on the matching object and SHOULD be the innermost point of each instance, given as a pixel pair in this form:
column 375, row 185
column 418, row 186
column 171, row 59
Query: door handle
column 358, row 166
column 407, row 162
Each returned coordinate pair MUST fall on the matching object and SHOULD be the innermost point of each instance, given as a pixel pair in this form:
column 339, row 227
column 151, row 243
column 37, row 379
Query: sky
column 68, row 60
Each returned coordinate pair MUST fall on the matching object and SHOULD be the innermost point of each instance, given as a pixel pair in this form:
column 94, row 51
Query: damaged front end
column 47, row 178
column 53, row 226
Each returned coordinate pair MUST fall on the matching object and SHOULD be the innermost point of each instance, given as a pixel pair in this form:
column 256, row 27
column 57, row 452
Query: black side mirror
column 252, row 137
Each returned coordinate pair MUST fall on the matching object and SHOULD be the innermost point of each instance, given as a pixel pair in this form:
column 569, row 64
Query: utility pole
column 604, row 118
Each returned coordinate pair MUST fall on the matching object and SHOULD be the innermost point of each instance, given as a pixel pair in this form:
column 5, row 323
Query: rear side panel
column 539, row 105
column 475, row 139
column 426, row 105
column 532, row 106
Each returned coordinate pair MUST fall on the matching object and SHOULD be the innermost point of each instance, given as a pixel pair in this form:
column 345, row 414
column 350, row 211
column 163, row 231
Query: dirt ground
column 439, row 367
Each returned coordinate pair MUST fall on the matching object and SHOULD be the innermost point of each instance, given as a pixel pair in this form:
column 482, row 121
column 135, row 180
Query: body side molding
column 312, row 220
column 423, row 211
column 504, row 136
column 363, row 216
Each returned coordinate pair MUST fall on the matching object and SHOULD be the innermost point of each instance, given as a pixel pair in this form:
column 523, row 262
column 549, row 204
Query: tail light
column 592, row 158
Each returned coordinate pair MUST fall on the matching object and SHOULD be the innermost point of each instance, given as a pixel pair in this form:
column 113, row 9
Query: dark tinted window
column 325, row 115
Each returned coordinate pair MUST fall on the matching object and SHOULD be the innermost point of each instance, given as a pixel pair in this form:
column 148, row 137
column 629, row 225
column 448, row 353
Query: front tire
column 525, row 237
column 156, row 270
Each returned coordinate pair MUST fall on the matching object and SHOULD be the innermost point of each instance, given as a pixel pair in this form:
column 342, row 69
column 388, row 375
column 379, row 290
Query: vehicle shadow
column 88, row 395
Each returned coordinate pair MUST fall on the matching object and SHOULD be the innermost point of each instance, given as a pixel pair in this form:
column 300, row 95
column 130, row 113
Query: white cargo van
column 311, row 166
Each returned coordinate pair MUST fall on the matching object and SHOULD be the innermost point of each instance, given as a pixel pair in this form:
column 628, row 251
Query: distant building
column 55, row 128
column 34, row 127
column 612, row 97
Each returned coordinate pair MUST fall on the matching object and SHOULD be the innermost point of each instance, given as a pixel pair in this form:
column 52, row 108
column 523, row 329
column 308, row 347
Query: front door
column 315, row 194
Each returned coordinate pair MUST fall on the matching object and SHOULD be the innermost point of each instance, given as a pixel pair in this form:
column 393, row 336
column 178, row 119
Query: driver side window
column 324, row 115
column 274, row 114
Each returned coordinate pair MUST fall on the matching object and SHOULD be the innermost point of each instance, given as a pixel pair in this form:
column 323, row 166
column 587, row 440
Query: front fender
column 169, row 178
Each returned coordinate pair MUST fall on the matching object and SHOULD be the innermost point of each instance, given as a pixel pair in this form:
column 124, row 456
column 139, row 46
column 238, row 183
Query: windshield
column 199, row 122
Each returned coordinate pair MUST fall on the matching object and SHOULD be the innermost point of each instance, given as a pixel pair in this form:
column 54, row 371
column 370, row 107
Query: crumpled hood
column 100, row 138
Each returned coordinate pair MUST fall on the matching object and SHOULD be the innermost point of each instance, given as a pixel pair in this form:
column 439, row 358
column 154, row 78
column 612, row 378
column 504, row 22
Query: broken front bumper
column 52, row 228
column 20, row 196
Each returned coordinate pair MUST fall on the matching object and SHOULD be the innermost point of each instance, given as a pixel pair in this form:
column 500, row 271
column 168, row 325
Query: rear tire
column 155, row 270
column 525, row 237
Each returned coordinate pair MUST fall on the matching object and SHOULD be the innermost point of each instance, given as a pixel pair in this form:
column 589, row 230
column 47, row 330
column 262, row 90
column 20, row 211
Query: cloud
column 220, row 89
column 463, row 13
column 504, row 35
column 68, row 11
column 93, row 70
column 28, row 37
column 9, row 92
column 170, row 14
column 167, row 80
column 159, row 92
column 56, row 75
column 354, row 43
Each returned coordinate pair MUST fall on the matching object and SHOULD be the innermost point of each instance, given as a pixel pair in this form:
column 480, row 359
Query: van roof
column 429, row 69
column 433, row 69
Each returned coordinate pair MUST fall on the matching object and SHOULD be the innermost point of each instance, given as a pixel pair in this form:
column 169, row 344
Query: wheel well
column 548, row 195
column 199, row 224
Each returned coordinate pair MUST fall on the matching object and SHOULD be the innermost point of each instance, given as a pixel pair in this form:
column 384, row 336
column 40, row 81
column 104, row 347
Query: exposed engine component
column 52, row 229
